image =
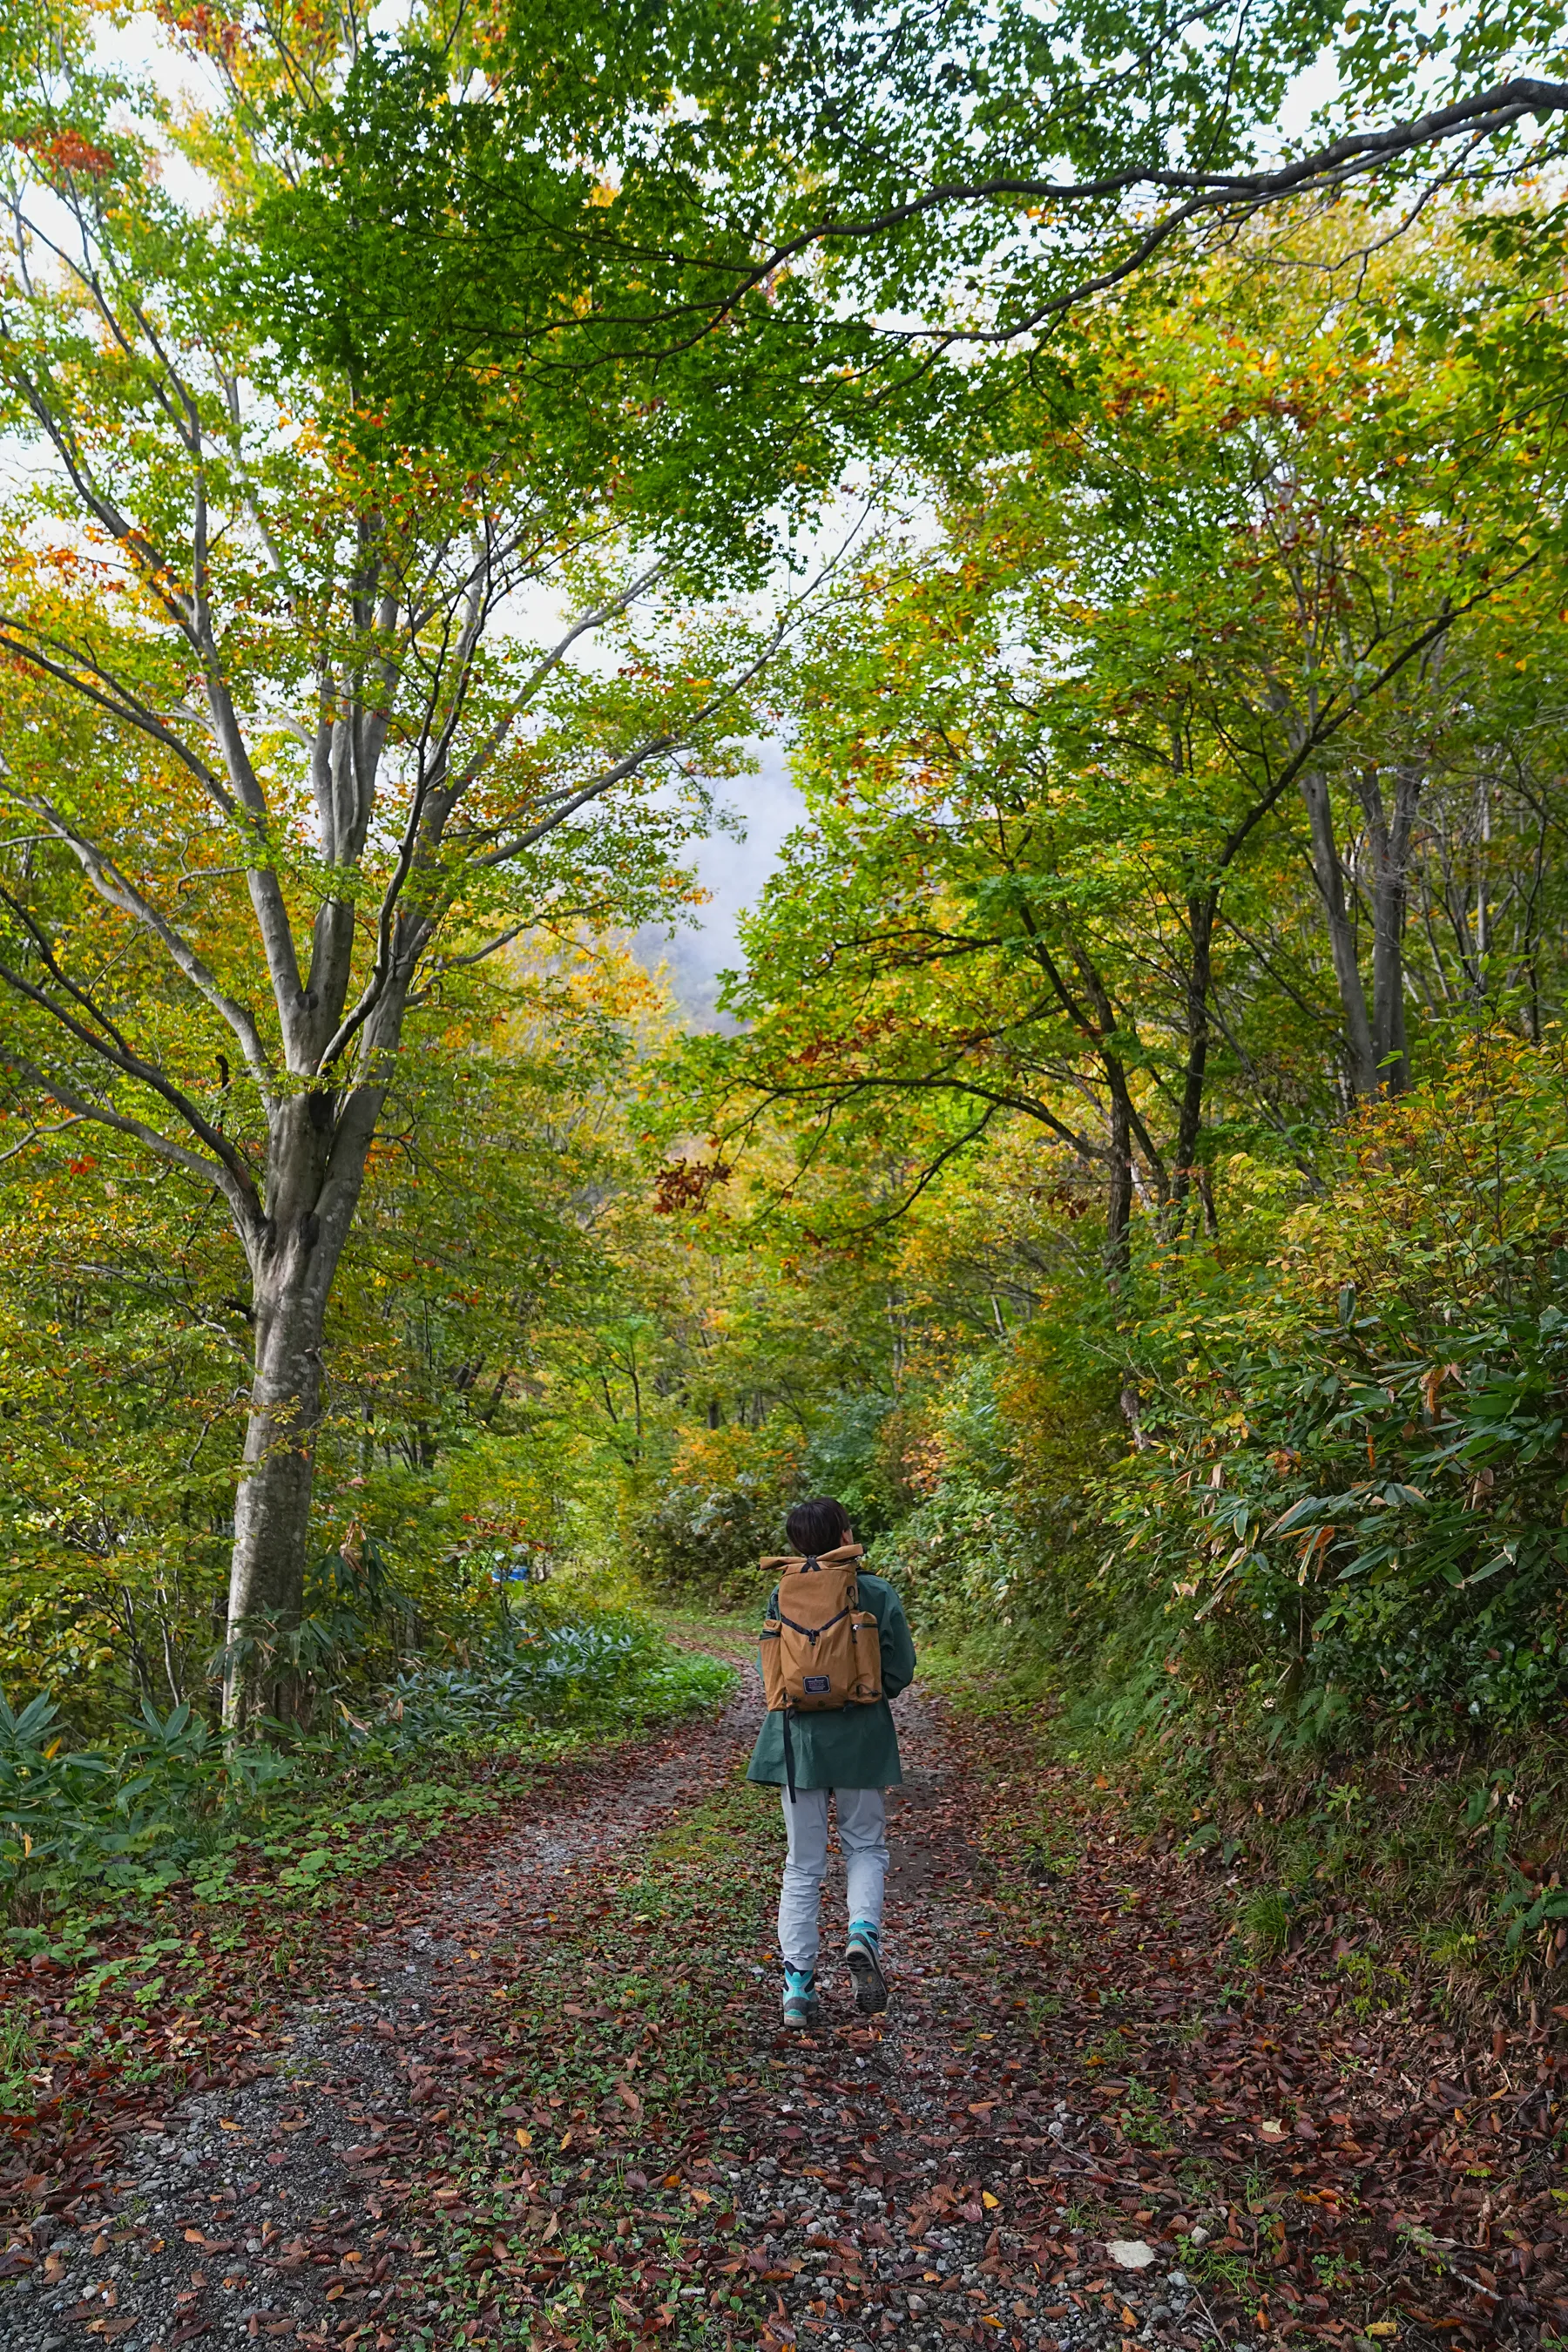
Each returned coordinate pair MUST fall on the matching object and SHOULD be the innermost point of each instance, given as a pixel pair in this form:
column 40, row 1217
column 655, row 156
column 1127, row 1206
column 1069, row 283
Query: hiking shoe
column 802, row 2008
column 865, row 1961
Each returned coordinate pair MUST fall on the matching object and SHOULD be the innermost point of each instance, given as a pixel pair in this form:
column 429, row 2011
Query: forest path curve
column 954, row 2172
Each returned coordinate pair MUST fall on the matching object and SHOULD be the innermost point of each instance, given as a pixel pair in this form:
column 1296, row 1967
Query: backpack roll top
column 820, row 1650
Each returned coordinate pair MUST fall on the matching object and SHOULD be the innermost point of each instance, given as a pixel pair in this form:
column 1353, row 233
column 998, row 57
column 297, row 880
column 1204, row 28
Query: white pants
column 862, row 1833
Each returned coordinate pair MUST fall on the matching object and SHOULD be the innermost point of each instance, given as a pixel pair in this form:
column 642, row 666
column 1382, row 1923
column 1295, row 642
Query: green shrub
column 960, row 1560
column 605, row 1670
column 702, row 1543
column 1355, row 1513
column 141, row 1817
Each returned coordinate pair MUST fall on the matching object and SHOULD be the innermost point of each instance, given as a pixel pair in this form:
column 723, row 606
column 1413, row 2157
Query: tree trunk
column 272, row 1509
column 1184, row 1173
column 1119, row 1204
column 293, row 1259
column 1391, row 853
column 1330, row 883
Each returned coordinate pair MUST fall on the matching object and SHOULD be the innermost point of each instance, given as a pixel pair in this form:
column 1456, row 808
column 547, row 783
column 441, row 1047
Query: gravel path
column 902, row 2177
column 231, row 2222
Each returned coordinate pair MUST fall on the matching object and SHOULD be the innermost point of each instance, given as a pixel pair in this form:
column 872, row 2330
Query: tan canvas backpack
column 820, row 1648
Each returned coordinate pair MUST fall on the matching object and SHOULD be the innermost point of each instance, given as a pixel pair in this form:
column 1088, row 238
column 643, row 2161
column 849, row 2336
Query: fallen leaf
column 1130, row 2253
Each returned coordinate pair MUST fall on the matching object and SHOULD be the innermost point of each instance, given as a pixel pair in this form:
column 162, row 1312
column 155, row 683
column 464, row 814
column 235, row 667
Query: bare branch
column 105, row 1041
column 242, row 1200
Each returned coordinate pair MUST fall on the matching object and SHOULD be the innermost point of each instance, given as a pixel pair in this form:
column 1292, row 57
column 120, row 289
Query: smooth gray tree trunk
column 272, row 1508
column 316, row 1155
column 1360, row 1050
column 1390, row 831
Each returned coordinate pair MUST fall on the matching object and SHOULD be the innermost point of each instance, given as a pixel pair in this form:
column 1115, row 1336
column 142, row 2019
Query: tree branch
column 107, row 1045
column 242, row 1200
column 117, row 891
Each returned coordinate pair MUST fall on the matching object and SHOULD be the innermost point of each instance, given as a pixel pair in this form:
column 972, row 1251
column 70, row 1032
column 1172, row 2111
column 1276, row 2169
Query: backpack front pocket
column 819, row 1664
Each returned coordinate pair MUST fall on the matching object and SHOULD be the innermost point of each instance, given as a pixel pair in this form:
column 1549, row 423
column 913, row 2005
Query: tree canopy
column 425, row 438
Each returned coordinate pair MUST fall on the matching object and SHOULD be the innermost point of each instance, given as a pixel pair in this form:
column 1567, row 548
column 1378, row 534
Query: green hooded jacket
column 851, row 1747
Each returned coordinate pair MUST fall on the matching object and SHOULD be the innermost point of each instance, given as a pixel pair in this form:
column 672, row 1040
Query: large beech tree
column 284, row 740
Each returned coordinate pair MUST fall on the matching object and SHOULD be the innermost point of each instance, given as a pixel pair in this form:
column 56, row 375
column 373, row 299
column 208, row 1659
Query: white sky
column 734, row 872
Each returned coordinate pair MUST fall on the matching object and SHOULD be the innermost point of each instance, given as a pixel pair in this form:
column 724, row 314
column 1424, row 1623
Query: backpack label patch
column 819, row 1682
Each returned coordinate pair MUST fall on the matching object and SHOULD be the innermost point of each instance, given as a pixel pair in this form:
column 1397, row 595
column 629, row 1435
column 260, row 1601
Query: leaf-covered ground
column 527, row 2085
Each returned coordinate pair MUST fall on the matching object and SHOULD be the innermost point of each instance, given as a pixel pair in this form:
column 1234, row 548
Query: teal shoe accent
column 801, row 2006
column 863, row 1956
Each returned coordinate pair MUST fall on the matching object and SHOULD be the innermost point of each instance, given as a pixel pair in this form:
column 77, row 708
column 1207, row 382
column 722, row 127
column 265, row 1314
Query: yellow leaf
column 524, row 2138
column 986, row 2199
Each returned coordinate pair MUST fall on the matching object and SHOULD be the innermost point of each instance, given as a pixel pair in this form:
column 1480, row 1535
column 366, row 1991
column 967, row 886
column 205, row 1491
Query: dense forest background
column 1133, row 1170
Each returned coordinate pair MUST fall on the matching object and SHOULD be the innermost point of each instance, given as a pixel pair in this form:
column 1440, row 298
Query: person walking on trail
column 836, row 1647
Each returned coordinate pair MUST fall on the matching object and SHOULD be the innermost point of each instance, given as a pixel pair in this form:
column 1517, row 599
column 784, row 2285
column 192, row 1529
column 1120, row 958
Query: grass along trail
column 535, row 2090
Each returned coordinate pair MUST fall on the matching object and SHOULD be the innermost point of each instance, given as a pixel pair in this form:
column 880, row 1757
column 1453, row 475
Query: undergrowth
column 1440, row 1870
column 286, row 1821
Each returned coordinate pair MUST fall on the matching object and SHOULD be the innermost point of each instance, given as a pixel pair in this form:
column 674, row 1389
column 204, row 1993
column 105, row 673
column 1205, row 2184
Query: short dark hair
column 819, row 1526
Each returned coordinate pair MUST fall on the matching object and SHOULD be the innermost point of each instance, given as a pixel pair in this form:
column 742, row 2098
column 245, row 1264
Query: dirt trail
column 983, row 2164
column 355, row 2072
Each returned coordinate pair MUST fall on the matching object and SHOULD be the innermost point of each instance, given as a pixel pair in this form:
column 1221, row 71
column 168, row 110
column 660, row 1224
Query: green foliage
column 702, row 1542
column 180, row 1802
column 1358, row 1497
column 1266, row 1922
column 605, row 1670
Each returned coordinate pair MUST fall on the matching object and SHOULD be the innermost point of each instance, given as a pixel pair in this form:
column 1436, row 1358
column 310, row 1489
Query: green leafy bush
column 700, row 1543
column 608, row 1670
column 178, row 1793
column 961, row 1559
column 1356, row 1507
